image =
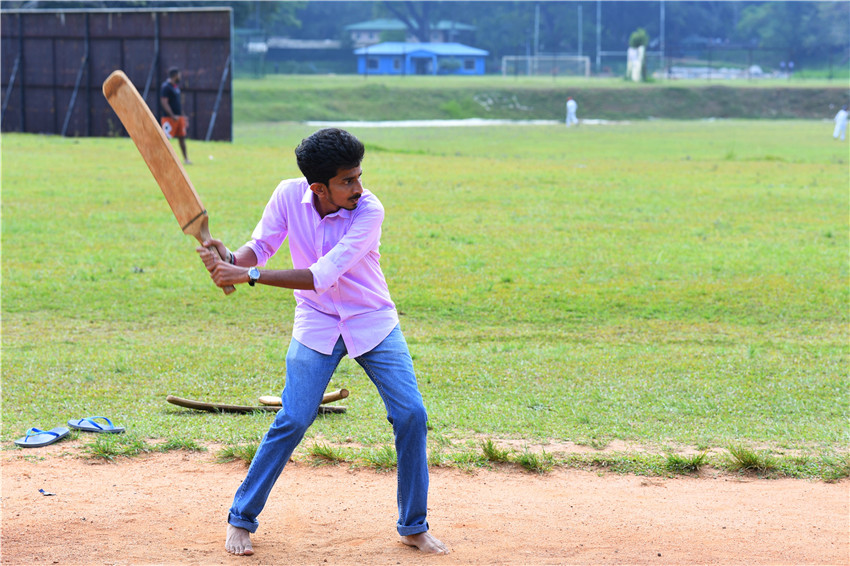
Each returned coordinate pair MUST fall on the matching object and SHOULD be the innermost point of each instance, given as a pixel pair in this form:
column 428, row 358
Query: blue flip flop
column 88, row 425
column 36, row 438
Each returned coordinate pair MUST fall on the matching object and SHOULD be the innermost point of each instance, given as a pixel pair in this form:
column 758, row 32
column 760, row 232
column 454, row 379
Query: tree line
column 799, row 31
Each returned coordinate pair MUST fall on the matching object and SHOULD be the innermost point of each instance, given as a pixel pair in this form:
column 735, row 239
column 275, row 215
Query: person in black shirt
column 174, row 122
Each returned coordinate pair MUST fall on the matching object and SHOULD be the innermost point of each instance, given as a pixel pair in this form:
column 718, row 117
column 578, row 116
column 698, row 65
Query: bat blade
column 155, row 148
column 159, row 156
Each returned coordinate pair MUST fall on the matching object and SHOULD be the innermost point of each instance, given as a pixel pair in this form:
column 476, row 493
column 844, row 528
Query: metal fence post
column 23, row 67
column 152, row 70
column 11, row 86
column 218, row 98
column 83, row 65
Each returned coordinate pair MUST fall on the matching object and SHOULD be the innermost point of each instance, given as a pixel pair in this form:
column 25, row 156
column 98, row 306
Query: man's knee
column 297, row 421
column 411, row 417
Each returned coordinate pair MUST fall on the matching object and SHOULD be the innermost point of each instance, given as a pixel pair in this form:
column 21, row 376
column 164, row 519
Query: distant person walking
column 572, row 106
column 840, row 123
column 174, row 122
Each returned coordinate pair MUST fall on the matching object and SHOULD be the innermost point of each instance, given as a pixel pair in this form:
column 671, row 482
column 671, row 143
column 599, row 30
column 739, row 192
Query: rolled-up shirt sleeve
column 271, row 231
column 362, row 237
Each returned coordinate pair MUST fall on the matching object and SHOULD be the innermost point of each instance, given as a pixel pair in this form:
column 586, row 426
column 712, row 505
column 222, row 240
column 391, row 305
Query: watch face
column 254, row 273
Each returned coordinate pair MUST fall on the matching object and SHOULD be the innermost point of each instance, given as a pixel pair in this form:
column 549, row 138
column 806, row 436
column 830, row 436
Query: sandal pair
column 36, row 438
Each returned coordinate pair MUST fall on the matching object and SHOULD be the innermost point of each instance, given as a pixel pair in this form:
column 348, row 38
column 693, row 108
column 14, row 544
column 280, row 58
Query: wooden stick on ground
column 329, row 397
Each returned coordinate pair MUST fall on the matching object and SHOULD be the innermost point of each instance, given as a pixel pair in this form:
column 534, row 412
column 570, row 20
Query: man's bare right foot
column 426, row 542
column 238, row 541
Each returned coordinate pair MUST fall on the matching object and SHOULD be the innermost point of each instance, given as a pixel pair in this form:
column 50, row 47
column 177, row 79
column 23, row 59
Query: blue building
column 396, row 58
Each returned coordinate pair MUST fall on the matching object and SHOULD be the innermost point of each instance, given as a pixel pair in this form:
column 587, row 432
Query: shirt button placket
column 318, row 241
column 337, row 299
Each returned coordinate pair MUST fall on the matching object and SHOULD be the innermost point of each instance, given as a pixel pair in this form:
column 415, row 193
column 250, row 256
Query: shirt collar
column 308, row 200
column 308, row 196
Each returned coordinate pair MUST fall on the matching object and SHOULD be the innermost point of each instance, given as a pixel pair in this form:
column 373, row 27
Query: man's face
column 342, row 191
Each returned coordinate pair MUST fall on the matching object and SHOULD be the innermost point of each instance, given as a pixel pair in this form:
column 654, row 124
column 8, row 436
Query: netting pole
column 80, row 72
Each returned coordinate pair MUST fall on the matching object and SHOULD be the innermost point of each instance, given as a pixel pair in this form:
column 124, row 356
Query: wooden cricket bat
column 230, row 408
column 160, row 156
column 329, row 397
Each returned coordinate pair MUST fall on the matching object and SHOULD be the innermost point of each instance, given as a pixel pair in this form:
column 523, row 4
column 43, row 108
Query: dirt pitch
column 171, row 509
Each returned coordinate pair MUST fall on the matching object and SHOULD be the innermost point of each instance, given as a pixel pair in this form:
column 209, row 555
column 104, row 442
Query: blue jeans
column 308, row 373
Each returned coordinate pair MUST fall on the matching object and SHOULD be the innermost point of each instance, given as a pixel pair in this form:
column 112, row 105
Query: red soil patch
column 171, row 508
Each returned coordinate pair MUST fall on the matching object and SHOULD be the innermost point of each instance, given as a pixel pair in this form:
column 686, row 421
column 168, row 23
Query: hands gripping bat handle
column 203, row 235
column 228, row 288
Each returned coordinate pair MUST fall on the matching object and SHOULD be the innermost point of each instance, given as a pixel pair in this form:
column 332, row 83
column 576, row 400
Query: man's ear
column 319, row 189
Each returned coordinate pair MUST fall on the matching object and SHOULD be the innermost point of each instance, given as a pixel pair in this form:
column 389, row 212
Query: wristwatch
column 253, row 276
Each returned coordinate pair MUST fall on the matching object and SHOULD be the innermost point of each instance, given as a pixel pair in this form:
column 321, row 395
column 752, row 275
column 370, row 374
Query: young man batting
column 343, row 306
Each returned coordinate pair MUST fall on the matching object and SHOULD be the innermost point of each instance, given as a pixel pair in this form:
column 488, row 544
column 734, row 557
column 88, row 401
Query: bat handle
column 229, row 288
column 201, row 231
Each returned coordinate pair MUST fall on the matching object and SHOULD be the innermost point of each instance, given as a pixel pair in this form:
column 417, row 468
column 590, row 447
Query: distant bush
column 450, row 65
column 639, row 38
column 393, row 35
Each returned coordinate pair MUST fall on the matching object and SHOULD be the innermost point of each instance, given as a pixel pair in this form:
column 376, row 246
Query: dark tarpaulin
column 51, row 60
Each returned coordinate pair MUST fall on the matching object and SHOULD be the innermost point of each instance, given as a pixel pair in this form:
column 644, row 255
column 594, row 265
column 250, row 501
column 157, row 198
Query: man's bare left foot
column 426, row 542
column 238, row 541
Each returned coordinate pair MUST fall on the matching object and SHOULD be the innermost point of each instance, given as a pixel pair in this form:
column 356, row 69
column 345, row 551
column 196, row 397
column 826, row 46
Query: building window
column 469, row 64
column 397, row 64
column 372, row 64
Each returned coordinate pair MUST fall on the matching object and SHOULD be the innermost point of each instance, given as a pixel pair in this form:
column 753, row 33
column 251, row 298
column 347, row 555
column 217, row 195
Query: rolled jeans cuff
column 412, row 530
column 250, row 526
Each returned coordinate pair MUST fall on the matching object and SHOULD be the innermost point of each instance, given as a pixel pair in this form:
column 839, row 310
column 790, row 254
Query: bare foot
column 238, row 541
column 426, row 542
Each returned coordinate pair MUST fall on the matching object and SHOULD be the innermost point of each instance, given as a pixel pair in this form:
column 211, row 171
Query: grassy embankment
column 308, row 97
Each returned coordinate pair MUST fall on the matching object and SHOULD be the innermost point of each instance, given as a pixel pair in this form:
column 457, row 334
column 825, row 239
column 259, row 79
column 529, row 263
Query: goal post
column 543, row 65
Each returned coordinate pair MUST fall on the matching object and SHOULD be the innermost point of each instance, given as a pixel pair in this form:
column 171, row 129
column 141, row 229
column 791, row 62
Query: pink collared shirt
column 351, row 297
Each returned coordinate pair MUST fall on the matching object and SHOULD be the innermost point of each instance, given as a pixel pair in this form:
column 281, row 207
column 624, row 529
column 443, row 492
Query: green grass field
column 679, row 286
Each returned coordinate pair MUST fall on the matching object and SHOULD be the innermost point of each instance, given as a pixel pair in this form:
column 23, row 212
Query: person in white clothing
column 840, row 123
column 572, row 106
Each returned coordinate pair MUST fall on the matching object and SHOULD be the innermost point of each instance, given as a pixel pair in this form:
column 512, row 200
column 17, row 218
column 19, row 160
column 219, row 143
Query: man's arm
column 224, row 273
column 167, row 107
column 287, row 278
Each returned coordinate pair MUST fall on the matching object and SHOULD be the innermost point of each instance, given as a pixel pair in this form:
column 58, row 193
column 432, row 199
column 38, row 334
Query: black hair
column 323, row 154
column 172, row 72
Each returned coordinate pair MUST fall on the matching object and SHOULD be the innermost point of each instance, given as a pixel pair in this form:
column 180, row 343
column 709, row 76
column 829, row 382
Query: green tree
column 417, row 16
column 639, row 38
column 271, row 17
column 801, row 30
column 327, row 20
column 704, row 19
